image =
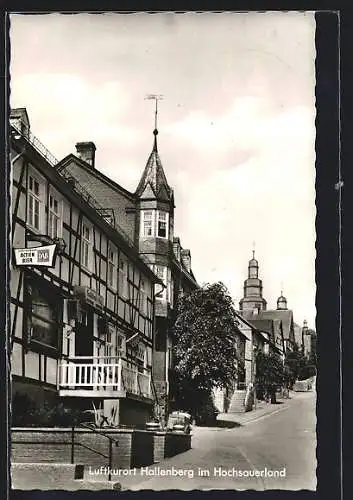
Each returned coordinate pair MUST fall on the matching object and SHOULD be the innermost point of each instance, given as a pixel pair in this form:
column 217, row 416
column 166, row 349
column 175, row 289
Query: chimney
column 186, row 259
column 86, row 151
column 176, row 248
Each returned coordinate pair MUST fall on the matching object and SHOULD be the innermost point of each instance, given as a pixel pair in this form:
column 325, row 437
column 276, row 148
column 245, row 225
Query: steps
column 237, row 402
column 49, row 476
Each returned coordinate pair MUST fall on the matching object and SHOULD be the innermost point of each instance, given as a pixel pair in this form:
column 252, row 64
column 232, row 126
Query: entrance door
column 84, row 336
column 84, row 347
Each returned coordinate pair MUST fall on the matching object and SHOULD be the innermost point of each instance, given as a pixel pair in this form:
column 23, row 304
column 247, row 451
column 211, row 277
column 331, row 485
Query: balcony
column 102, row 377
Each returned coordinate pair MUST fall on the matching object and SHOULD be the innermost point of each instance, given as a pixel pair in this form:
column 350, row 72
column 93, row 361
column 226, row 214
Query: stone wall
column 136, row 448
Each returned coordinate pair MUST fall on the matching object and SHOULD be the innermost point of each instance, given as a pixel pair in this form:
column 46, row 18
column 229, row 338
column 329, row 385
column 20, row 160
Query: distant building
column 253, row 307
column 249, row 341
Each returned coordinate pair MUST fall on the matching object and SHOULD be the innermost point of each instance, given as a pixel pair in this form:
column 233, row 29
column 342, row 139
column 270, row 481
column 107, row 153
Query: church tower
column 282, row 303
column 253, row 299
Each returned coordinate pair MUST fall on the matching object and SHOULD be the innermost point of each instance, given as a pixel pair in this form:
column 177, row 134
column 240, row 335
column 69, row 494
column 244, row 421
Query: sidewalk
column 261, row 410
column 202, row 441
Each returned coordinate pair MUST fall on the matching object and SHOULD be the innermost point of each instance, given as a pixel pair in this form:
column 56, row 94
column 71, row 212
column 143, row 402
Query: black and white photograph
column 162, row 315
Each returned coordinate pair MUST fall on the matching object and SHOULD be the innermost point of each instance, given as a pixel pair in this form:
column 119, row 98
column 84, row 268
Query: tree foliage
column 205, row 338
column 294, row 362
column 269, row 369
column 270, row 373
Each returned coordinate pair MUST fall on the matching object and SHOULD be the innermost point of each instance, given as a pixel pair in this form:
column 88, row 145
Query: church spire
column 282, row 301
column 253, row 298
column 153, row 183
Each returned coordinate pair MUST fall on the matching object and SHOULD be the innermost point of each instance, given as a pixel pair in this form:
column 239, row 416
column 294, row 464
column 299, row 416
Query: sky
column 236, row 126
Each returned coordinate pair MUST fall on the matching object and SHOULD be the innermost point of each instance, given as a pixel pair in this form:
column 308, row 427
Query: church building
column 278, row 322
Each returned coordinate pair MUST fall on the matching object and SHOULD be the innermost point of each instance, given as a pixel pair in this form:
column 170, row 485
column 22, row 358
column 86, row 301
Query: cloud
column 236, row 125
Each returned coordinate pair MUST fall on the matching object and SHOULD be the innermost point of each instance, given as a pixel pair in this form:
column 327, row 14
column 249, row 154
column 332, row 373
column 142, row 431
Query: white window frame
column 155, row 217
column 87, row 246
column 36, row 199
column 111, row 267
column 55, row 216
column 165, row 220
column 149, row 220
column 123, row 279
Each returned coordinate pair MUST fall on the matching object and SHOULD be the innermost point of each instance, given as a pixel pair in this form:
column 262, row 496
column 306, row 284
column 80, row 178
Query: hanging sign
column 89, row 296
column 37, row 256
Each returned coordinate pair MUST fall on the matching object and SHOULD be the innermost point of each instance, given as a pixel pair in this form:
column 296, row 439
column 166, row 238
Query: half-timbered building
column 147, row 218
column 82, row 324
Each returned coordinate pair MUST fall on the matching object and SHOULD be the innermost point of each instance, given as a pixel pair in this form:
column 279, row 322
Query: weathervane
column 253, row 249
column 155, row 97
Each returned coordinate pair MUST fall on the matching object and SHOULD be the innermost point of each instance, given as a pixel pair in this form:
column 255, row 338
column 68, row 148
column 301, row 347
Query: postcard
column 163, row 320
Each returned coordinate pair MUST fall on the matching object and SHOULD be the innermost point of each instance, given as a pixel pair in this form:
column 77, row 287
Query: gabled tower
column 253, row 299
column 155, row 200
column 155, row 232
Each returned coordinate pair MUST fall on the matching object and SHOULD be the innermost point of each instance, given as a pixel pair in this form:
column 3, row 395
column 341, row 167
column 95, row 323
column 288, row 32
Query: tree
column 313, row 350
column 205, row 343
column 269, row 373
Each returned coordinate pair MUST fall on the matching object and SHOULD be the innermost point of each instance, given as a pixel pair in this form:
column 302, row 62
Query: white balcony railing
column 103, row 375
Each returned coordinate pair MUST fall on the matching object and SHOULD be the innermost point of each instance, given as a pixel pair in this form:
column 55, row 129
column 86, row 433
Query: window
column 123, row 283
column 162, row 224
column 143, row 298
column 154, row 223
column 34, row 203
column 111, row 268
column 140, row 357
column 43, row 315
column 86, row 246
column 120, row 348
column 147, row 223
column 54, row 217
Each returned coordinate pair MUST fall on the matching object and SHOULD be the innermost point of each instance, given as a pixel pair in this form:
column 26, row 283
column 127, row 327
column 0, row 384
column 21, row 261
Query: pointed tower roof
column 153, row 183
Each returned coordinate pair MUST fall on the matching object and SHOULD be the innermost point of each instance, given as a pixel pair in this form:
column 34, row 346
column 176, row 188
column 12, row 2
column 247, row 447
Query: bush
column 23, row 409
column 207, row 412
column 26, row 413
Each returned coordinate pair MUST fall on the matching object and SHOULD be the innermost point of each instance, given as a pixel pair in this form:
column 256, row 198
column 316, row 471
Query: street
column 277, row 450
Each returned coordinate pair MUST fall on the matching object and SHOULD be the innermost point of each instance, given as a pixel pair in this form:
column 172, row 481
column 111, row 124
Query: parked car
column 179, row 421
